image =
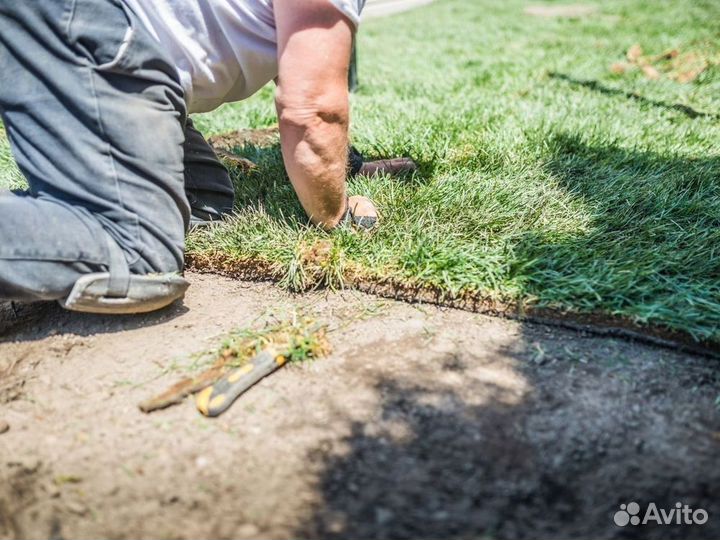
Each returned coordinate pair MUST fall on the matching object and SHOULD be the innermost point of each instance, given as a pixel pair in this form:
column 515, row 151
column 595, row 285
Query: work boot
column 207, row 207
column 208, row 186
column 355, row 161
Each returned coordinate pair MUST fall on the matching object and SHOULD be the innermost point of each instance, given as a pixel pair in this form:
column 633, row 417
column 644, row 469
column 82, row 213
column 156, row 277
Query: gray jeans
column 96, row 119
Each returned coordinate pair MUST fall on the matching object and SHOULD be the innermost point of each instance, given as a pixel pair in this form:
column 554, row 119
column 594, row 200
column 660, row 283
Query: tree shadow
column 551, row 458
column 647, row 247
column 599, row 87
column 587, row 169
column 641, row 198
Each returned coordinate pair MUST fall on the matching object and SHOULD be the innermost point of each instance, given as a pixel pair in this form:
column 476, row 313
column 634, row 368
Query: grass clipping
column 298, row 339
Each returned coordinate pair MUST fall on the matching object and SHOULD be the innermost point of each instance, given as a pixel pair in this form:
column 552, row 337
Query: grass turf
column 545, row 178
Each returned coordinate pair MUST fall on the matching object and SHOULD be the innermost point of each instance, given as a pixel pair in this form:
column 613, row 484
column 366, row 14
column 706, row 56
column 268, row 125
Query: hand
column 363, row 213
column 388, row 166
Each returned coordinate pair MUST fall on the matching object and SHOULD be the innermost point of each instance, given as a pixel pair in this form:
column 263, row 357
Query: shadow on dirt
column 553, row 460
column 18, row 488
column 49, row 319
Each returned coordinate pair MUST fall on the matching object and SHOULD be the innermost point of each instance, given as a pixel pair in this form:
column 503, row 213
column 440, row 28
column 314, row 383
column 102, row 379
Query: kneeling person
column 95, row 106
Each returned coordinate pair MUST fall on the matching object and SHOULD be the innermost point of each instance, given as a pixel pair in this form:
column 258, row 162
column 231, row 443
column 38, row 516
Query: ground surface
column 550, row 172
column 568, row 160
column 423, row 423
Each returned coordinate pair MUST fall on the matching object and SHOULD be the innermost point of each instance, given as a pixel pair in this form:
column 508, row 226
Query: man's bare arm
column 314, row 41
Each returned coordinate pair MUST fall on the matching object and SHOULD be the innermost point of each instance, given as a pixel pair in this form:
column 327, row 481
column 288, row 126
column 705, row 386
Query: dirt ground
column 423, row 423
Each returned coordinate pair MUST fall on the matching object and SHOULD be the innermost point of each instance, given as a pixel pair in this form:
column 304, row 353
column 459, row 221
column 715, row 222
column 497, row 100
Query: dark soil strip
column 598, row 324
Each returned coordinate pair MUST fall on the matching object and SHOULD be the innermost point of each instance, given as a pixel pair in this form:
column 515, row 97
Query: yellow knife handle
column 216, row 399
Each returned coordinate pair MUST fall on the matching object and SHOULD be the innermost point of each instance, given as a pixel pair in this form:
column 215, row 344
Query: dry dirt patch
column 256, row 137
column 424, row 423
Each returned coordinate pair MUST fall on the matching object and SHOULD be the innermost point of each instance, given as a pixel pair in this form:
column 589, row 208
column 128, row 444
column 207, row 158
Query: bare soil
column 424, row 422
column 237, row 139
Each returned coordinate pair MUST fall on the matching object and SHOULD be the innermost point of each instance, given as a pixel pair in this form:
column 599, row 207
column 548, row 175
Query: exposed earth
column 423, row 423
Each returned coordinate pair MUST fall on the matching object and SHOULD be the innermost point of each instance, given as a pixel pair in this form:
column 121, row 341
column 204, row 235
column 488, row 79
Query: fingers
column 363, row 213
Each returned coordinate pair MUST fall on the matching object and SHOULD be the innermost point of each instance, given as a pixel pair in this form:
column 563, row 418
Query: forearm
column 314, row 42
column 314, row 147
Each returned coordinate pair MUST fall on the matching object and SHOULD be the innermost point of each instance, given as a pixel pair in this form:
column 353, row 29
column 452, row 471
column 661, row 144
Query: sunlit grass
column 534, row 185
column 10, row 176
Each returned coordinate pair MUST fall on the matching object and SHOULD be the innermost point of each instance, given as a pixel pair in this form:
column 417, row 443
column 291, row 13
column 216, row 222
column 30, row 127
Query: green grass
column 544, row 178
column 10, row 176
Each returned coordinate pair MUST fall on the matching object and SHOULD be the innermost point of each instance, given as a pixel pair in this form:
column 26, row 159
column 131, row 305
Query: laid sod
column 545, row 177
column 548, row 178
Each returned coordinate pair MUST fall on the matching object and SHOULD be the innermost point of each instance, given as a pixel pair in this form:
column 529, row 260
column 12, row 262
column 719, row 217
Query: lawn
column 547, row 179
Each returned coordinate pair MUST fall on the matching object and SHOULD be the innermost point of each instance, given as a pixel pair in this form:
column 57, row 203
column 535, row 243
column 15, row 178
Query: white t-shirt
column 224, row 50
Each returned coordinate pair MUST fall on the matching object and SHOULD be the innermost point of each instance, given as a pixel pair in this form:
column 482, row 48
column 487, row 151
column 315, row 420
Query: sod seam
column 598, row 324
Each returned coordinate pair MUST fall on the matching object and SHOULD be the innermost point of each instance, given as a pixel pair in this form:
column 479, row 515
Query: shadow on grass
column 269, row 187
column 586, row 168
column 661, row 208
column 597, row 86
column 461, row 449
column 649, row 252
